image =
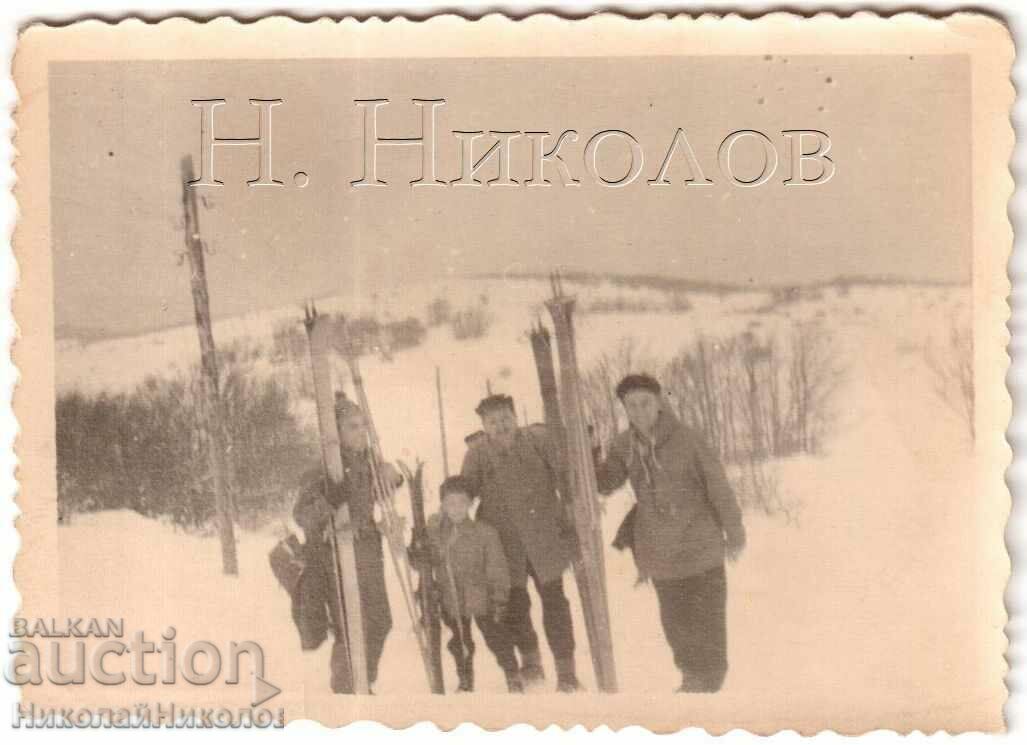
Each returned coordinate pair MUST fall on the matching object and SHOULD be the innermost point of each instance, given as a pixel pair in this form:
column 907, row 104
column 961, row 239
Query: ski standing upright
column 391, row 522
column 580, row 479
column 427, row 593
column 346, row 599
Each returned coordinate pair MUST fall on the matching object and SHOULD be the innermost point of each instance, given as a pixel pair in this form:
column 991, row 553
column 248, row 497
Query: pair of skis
column 564, row 413
column 347, row 595
column 346, row 599
column 427, row 593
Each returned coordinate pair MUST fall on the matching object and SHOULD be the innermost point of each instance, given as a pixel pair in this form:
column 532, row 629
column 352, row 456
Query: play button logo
column 263, row 691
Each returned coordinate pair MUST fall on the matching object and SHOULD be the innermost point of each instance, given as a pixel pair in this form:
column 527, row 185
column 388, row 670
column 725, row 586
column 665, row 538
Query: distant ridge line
column 87, row 335
column 681, row 284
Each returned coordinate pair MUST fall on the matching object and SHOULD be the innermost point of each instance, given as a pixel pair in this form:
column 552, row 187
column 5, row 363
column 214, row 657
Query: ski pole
column 442, row 421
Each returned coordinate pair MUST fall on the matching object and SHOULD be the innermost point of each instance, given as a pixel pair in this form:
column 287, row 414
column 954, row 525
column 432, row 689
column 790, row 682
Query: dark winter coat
column 310, row 515
column 469, row 561
column 685, row 506
column 518, row 491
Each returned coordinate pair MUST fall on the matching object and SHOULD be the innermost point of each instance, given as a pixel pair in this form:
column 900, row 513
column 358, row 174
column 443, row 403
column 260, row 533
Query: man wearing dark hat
column 312, row 512
column 685, row 523
column 512, row 471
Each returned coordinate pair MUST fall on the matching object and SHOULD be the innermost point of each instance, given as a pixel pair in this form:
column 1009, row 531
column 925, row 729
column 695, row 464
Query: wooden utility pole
column 212, row 420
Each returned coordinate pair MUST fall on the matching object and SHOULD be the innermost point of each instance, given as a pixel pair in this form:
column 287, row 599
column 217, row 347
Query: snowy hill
column 808, row 603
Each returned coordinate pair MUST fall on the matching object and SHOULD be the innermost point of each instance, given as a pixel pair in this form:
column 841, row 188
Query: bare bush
column 756, row 397
column 782, row 297
column 267, row 446
column 679, row 303
column 146, row 451
column 600, row 382
column 243, row 351
column 361, row 335
column 440, row 310
column 813, row 379
column 288, row 342
column 676, row 302
column 472, row 321
column 752, row 398
column 621, row 304
column 405, row 334
column 699, row 378
column 290, row 353
column 951, row 364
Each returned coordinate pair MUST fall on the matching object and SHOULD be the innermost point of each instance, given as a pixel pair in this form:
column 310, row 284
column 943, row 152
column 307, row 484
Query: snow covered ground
column 849, row 608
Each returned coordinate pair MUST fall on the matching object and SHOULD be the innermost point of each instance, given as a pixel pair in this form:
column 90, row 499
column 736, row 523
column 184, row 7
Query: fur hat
column 454, row 485
column 493, row 402
column 637, row 382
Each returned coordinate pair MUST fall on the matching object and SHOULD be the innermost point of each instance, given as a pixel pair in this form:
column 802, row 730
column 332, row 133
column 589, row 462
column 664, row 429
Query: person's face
column 352, row 432
column 643, row 408
column 500, row 425
column 456, row 505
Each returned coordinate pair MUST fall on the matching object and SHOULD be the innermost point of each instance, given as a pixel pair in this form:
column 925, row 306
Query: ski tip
column 556, row 283
column 404, row 469
column 309, row 313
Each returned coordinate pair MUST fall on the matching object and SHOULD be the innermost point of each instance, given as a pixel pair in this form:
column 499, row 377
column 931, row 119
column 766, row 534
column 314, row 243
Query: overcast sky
column 899, row 203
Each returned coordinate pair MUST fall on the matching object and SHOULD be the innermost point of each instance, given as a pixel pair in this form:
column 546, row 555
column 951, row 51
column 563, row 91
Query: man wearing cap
column 685, row 523
column 312, row 512
column 512, row 471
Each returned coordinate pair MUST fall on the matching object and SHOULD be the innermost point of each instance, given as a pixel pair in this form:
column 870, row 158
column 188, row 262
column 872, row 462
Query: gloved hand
column 391, row 475
column 419, row 552
column 735, row 543
column 318, row 512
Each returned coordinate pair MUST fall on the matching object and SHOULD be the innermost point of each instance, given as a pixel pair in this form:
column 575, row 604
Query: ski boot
column 532, row 673
column 514, row 684
column 566, row 678
column 692, row 683
column 465, row 673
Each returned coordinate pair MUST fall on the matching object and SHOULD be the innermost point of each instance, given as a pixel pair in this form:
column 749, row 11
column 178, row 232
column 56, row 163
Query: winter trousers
column 556, row 618
column 497, row 639
column 693, row 612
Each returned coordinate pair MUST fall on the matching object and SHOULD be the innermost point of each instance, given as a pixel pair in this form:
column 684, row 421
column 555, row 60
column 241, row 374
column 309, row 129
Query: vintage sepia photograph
column 652, row 374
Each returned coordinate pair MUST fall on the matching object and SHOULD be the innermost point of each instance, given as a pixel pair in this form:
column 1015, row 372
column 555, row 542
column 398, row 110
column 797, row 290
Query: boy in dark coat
column 312, row 512
column 512, row 470
column 474, row 583
column 685, row 523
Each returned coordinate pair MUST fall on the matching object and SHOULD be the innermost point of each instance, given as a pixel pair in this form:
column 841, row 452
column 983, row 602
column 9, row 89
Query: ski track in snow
column 808, row 603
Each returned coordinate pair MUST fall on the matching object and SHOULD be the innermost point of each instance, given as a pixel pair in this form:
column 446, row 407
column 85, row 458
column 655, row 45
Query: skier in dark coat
column 312, row 512
column 512, row 471
column 685, row 523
